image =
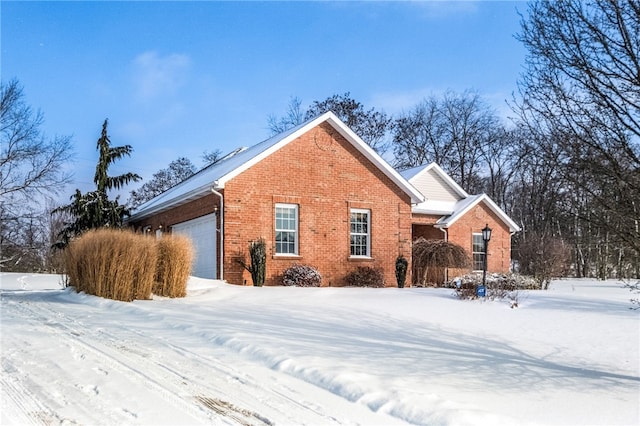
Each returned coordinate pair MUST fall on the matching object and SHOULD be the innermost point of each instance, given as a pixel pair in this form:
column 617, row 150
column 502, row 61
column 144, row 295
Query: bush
column 258, row 266
column 498, row 286
column 111, row 263
column 401, row 270
column 175, row 256
column 302, row 276
column 366, row 276
column 543, row 257
column 120, row 265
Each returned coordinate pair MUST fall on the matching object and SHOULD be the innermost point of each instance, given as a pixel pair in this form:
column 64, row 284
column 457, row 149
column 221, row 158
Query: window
column 287, row 229
column 360, row 232
column 478, row 252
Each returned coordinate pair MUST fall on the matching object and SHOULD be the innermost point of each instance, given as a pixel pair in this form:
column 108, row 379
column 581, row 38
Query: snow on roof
column 409, row 173
column 451, row 211
column 463, row 206
column 216, row 175
column 435, row 207
column 413, row 175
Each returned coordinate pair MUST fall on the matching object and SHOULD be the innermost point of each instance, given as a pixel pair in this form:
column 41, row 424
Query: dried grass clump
column 175, row 255
column 439, row 253
column 111, row 263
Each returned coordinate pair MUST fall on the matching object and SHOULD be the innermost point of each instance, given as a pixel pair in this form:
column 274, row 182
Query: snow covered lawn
column 276, row 355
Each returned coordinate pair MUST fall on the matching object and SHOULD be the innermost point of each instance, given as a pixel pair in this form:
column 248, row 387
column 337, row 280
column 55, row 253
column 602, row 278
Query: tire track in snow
column 181, row 390
column 289, row 404
column 30, row 410
column 80, row 341
column 24, row 372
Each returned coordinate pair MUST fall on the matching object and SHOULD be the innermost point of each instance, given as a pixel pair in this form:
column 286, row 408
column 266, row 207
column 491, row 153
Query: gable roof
column 451, row 210
column 414, row 175
column 463, row 206
column 218, row 174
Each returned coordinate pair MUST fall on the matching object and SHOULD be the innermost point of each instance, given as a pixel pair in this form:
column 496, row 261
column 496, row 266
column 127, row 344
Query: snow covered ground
column 276, row 355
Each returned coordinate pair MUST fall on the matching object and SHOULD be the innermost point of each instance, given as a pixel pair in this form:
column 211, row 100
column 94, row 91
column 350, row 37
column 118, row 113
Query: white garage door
column 202, row 232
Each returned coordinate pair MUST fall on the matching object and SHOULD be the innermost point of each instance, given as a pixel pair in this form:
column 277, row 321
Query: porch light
column 486, row 236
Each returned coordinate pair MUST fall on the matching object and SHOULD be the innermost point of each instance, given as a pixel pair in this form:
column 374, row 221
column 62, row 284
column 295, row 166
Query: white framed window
column 286, row 228
column 478, row 252
column 360, row 232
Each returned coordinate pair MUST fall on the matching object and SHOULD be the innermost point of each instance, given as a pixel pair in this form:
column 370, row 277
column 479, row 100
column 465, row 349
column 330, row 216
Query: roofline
column 335, row 122
column 513, row 227
column 189, row 196
column 375, row 158
column 350, row 136
column 452, row 183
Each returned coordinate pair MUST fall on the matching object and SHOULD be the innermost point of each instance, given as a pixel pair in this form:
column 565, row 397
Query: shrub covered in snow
column 302, row 276
column 366, row 276
column 498, row 286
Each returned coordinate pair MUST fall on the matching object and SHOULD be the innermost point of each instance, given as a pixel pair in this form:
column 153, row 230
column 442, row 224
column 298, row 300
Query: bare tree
column 32, row 167
column 581, row 91
column 162, row 180
column 294, row 116
column 371, row 125
column 211, row 157
column 30, row 163
column 453, row 131
column 505, row 158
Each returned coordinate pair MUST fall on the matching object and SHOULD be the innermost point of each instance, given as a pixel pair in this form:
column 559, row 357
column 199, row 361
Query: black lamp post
column 486, row 236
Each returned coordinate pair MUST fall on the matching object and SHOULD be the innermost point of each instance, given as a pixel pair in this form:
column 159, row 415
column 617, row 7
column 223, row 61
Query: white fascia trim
column 170, row 203
column 432, row 212
column 264, row 154
column 349, row 135
column 452, row 183
column 513, row 227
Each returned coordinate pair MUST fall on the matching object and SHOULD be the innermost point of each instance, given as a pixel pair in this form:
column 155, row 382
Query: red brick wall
column 325, row 176
column 499, row 249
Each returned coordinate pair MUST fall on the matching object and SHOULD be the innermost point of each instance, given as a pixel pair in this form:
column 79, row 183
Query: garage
column 202, row 232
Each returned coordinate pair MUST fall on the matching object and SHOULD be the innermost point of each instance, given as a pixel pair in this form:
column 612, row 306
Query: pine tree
column 94, row 209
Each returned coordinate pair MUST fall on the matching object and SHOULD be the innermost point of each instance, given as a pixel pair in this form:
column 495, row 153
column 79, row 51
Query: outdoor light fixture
column 486, row 236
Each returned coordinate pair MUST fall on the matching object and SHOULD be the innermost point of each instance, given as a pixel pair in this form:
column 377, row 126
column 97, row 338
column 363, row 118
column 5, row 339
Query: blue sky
column 178, row 78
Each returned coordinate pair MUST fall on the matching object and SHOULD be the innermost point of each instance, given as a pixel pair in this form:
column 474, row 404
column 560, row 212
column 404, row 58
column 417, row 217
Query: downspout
column 446, row 270
column 221, row 230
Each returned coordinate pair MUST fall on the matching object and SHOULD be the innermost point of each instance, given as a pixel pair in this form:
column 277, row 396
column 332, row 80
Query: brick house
column 449, row 213
column 316, row 193
column 319, row 195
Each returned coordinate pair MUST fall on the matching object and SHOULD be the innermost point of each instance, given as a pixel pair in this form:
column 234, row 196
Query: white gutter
column 221, row 230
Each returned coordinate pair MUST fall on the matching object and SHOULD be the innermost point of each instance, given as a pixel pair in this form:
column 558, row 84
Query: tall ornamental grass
column 111, row 263
column 175, row 256
column 121, row 265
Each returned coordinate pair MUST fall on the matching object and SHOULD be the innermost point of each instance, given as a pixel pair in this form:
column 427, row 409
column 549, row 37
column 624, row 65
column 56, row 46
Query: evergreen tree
column 94, row 209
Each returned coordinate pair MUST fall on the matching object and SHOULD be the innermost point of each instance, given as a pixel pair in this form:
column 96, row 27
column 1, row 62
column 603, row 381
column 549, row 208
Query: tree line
column 565, row 167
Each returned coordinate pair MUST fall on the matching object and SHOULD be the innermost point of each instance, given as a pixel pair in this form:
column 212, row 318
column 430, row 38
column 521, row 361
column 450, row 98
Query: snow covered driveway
column 266, row 356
